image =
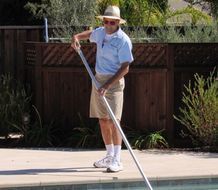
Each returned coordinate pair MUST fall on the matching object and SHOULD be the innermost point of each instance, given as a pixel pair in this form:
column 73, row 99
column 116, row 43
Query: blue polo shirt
column 113, row 53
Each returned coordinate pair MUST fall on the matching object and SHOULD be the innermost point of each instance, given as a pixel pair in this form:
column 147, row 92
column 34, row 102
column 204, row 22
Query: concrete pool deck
column 43, row 167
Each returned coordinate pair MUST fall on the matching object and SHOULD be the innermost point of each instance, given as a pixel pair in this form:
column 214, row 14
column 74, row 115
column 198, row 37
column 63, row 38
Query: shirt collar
column 115, row 34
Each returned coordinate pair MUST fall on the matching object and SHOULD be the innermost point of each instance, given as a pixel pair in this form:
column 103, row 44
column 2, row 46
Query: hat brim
column 101, row 17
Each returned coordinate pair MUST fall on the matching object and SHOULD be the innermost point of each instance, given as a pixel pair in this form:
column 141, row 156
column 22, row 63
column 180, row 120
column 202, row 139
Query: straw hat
column 112, row 12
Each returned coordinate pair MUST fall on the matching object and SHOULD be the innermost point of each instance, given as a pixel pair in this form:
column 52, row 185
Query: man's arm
column 80, row 36
column 124, row 69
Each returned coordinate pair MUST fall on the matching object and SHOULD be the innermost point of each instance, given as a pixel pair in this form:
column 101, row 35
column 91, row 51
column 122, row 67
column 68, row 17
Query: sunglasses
column 112, row 23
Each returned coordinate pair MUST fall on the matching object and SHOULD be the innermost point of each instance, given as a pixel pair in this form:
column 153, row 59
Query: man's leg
column 106, row 130
column 116, row 164
column 117, row 139
column 106, row 126
column 111, row 136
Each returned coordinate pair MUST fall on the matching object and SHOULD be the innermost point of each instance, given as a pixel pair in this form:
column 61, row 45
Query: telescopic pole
column 116, row 123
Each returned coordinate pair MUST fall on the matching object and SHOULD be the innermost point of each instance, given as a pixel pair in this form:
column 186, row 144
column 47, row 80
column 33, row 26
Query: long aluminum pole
column 114, row 119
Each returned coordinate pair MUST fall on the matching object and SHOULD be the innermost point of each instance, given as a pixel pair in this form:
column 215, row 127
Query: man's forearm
column 83, row 35
column 75, row 43
column 118, row 75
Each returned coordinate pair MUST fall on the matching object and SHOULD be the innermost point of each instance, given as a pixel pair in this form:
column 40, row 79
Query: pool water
column 177, row 187
column 188, row 184
column 176, row 184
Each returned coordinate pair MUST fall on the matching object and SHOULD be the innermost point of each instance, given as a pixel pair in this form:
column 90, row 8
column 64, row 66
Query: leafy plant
column 34, row 132
column 65, row 15
column 60, row 12
column 102, row 5
column 16, row 115
column 200, row 34
column 161, row 5
column 14, row 105
column 39, row 134
column 153, row 140
column 168, row 34
column 186, row 15
column 194, row 34
column 86, row 135
column 130, row 9
column 134, row 134
column 200, row 112
column 138, row 35
column 142, row 139
column 213, row 4
column 155, row 13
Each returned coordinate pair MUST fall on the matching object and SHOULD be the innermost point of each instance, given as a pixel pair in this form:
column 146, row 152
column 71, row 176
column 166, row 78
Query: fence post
column 46, row 30
column 170, row 91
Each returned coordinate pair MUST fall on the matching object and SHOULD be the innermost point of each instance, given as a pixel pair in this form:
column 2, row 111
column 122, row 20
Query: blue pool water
column 167, row 186
column 176, row 184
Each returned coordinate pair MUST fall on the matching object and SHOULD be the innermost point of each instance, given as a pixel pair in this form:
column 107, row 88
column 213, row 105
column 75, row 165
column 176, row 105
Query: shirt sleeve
column 125, row 53
column 94, row 37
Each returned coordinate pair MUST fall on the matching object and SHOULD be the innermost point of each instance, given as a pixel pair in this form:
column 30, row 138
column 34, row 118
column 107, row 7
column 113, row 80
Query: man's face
column 111, row 25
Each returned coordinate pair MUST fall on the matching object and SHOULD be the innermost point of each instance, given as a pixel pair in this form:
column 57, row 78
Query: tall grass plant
column 200, row 111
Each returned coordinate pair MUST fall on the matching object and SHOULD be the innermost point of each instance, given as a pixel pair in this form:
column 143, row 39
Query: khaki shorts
column 114, row 96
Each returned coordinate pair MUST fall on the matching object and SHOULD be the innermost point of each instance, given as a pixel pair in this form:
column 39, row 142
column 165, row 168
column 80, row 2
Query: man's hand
column 102, row 91
column 80, row 36
column 75, row 43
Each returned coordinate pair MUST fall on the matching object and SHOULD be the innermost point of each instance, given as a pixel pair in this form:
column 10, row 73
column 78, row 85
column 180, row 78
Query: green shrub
column 39, row 134
column 68, row 17
column 61, row 12
column 63, row 15
column 192, row 34
column 200, row 112
column 17, row 116
column 138, row 35
column 156, row 140
column 213, row 4
column 187, row 15
column 86, row 135
column 14, row 105
column 141, row 139
column 136, row 12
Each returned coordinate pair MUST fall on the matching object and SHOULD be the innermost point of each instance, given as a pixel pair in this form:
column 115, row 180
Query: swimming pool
column 167, row 184
column 173, row 184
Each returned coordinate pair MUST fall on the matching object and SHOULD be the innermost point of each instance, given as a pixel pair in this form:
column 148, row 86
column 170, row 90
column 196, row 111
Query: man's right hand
column 75, row 43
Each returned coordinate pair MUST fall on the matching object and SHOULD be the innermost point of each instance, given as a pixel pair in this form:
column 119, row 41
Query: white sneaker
column 103, row 163
column 115, row 166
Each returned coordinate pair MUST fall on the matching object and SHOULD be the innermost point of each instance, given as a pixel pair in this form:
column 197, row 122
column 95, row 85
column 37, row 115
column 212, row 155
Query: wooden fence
column 12, row 50
column 153, row 89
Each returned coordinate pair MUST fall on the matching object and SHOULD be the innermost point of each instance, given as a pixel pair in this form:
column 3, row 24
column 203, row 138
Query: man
column 112, row 63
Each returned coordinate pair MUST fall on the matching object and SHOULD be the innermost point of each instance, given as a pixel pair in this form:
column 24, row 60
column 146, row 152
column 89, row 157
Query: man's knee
column 105, row 121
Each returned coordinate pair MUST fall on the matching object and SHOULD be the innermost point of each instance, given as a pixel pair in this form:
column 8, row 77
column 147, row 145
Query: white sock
column 117, row 151
column 110, row 149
